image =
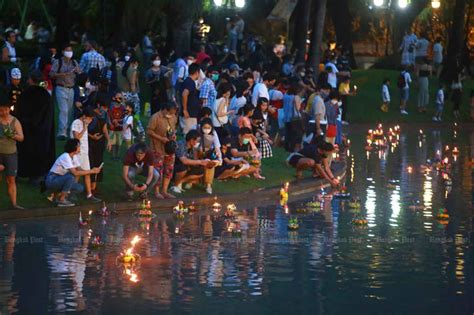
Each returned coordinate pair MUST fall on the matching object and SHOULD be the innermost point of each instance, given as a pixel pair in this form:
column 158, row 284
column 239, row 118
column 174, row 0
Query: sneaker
column 65, row 203
column 403, row 112
column 17, row 207
column 243, row 167
column 93, row 199
column 435, row 119
column 345, row 123
column 50, row 197
column 209, row 190
column 176, row 190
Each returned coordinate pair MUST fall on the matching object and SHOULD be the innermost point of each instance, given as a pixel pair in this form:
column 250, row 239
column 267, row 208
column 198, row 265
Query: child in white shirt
column 128, row 125
column 385, row 95
column 439, row 104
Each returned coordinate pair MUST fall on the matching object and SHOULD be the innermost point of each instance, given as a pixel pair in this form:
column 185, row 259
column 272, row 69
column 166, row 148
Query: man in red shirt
column 139, row 161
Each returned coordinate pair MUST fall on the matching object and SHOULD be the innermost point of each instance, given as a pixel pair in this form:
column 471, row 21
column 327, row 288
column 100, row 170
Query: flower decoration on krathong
column 293, row 224
column 180, row 210
column 145, row 209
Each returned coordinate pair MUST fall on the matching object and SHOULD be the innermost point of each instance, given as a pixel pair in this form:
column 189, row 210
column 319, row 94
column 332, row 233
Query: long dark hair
column 127, row 65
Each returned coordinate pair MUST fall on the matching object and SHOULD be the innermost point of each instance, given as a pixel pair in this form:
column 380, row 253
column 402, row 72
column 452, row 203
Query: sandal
column 159, row 196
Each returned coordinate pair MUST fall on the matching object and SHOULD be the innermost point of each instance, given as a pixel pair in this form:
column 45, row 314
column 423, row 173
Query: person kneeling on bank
column 188, row 168
column 139, row 161
column 316, row 158
column 62, row 176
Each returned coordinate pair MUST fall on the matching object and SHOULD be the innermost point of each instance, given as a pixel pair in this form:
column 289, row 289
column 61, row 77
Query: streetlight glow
column 240, row 3
column 435, row 4
column 378, row 3
column 402, row 4
column 218, row 3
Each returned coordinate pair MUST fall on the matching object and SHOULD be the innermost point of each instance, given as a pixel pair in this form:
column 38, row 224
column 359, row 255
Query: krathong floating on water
column 145, row 210
column 103, row 211
column 293, row 224
column 216, row 207
column 180, row 210
column 83, row 222
column 230, row 211
column 360, row 221
column 343, row 193
column 354, row 203
column 96, row 242
column 314, row 204
column 442, row 214
column 129, row 256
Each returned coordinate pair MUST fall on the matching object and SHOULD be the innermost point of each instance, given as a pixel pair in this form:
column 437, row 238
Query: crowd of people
column 424, row 59
column 208, row 118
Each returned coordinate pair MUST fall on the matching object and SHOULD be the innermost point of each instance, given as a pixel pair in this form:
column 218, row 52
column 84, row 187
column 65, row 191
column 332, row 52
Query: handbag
column 331, row 131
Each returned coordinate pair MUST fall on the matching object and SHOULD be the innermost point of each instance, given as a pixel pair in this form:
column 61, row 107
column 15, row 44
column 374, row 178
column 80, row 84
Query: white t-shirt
column 260, row 90
column 64, row 163
column 407, row 79
column 78, row 126
column 127, row 128
column 219, row 121
column 332, row 77
column 437, row 53
column 385, row 93
column 440, row 97
column 319, row 108
column 422, row 47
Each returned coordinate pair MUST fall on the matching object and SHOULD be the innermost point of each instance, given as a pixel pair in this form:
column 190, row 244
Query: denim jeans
column 65, row 100
column 63, row 183
column 133, row 171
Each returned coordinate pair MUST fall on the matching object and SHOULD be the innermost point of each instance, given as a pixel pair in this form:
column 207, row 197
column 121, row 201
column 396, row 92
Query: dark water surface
column 403, row 262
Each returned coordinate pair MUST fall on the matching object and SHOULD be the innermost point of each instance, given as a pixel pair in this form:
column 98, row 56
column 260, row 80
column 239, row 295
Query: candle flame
column 135, row 240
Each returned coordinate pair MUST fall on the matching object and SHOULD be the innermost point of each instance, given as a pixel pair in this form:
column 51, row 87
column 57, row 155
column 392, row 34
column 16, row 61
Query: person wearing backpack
column 63, row 72
column 403, row 83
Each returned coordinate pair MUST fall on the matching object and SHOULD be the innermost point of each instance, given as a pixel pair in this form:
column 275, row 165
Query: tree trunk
column 184, row 12
column 456, row 40
column 63, row 23
column 342, row 20
column 302, row 13
column 319, row 7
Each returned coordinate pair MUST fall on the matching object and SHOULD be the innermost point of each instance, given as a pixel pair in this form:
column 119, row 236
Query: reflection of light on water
column 459, row 243
column 395, row 203
column 370, row 205
column 427, row 195
column 352, row 169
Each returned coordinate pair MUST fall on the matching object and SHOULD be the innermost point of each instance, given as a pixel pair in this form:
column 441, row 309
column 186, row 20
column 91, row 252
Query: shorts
column 420, row 59
column 164, row 165
column 404, row 94
column 84, row 160
column 439, row 107
column 116, row 138
column 10, row 161
column 190, row 170
column 294, row 158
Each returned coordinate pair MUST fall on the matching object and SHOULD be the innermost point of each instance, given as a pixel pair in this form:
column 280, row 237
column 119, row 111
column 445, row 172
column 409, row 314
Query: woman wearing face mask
column 210, row 149
column 98, row 141
column 131, row 90
column 259, row 128
column 221, row 112
column 156, row 79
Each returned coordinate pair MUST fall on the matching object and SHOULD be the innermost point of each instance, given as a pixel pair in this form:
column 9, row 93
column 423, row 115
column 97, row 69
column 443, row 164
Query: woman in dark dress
column 98, row 140
column 37, row 153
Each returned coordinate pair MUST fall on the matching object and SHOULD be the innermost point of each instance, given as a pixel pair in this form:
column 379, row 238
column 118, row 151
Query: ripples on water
column 403, row 262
